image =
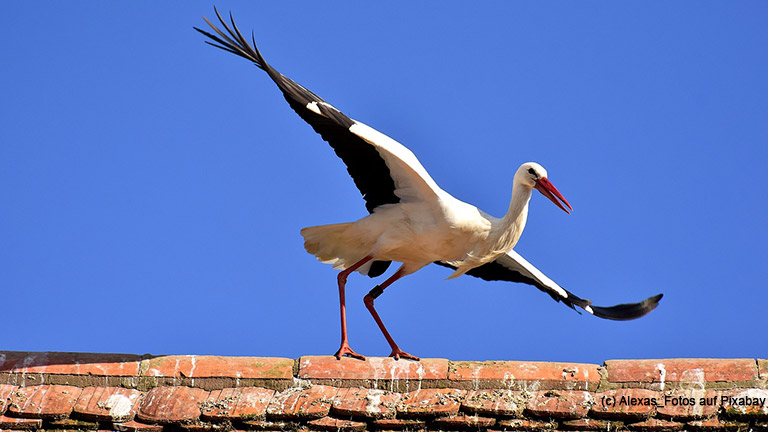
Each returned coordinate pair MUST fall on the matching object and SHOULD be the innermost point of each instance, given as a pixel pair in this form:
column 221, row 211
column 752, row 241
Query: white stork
column 412, row 220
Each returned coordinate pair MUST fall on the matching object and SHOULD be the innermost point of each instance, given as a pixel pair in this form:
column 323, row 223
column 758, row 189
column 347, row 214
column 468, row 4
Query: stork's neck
column 511, row 226
column 518, row 206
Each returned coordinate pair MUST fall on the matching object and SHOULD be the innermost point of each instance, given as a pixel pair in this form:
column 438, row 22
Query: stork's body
column 419, row 233
column 412, row 220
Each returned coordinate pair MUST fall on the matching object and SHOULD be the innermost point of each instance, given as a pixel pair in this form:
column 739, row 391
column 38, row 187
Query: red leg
column 368, row 299
column 344, row 349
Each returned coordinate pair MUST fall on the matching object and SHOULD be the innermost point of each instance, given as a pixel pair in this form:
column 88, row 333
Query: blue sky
column 152, row 188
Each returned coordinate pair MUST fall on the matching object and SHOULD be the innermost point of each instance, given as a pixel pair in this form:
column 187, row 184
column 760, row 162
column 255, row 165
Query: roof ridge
column 87, row 391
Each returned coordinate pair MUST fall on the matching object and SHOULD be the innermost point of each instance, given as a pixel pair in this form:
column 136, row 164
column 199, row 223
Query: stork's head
column 534, row 176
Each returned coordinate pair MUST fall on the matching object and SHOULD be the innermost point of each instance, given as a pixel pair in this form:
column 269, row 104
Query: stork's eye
column 532, row 172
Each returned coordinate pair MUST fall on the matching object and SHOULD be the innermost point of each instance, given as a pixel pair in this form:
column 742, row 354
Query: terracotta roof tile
column 399, row 424
column 5, row 392
column 70, row 363
column 559, row 404
column 134, row 426
column 115, row 404
column 237, row 403
column 684, row 405
column 239, row 394
column 20, row 423
column 463, row 421
column 171, row 404
column 715, row 424
column 508, row 403
column 44, row 401
column 309, row 403
column 526, row 425
column 681, row 370
column 587, row 424
column 368, row 403
column 521, row 375
column 431, row 403
column 267, row 425
column 333, row 424
column 373, row 368
column 653, row 425
column 745, row 403
column 191, row 366
column 626, row 404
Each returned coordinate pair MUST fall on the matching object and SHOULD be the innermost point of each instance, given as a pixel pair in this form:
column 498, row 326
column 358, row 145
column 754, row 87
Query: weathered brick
column 520, row 375
column 237, row 403
column 509, row 403
column 431, row 402
column 463, row 421
column 115, row 404
column 134, row 426
column 5, row 393
column 652, row 424
column 567, row 404
column 715, row 424
column 296, row 403
column 747, row 403
column 762, row 368
column 333, row 424
column 681, row 370
column 191, row 366
column 44, row 401
column 62, row 363
column 677, row 405
column 171, row 404
column 368, row 403
column 587, row 424
column 526, row 425
column 373, row 368
column 20, row 423
column 625, row 404
column 398, row 424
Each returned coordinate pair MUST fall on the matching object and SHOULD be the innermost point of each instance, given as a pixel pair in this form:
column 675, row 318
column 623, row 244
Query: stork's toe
column 345, row 350
column 397, row 353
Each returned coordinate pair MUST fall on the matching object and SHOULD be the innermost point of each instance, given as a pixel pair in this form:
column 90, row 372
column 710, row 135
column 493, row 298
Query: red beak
column 550, row 191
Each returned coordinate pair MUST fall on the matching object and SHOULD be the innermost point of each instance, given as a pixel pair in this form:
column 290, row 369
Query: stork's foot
column 345, row 350
column 397, row 353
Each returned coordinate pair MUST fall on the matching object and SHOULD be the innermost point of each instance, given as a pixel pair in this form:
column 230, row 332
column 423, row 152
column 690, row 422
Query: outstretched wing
column 514, row 268
column 384, row 171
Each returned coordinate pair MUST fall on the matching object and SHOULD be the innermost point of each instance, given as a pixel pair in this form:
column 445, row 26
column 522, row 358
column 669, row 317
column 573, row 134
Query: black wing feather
column 364, row 163
column 497, row 271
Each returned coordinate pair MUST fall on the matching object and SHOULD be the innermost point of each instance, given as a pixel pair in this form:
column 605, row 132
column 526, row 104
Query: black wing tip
column 233, row 41
column 628, row 311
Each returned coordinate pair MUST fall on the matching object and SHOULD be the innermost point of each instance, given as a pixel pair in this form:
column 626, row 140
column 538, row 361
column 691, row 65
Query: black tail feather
column 627, row 311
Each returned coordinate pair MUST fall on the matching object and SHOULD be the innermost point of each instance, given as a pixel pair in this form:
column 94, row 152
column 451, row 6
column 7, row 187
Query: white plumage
column 412, row 220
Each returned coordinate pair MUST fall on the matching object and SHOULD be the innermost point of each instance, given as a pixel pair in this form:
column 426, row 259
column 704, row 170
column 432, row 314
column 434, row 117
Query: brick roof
column 130, row 393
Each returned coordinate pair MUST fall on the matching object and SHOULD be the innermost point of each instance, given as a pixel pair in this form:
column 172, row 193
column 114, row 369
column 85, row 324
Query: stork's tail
column 329, row 244
column 339, row 246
